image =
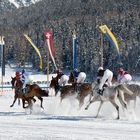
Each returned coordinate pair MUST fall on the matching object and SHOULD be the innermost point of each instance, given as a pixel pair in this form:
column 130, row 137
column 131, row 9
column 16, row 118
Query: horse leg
column 41, row 100
column 90, row 96
column 18, row 101
column 23, row 103
column 30, row 105
column 135, row 103
column 34, row 100
column 15, row 98
column 121, row 99
column 81, row 102
column 93, row 100
column 117, row 108
column 101, row 103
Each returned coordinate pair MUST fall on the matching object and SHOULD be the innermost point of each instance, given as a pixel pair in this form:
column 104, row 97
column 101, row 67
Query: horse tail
column 124, row 89
column 44, row 93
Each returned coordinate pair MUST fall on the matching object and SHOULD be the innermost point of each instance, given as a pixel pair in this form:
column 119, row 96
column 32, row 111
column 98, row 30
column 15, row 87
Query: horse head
column 54, row 82
column 13, row 82
column 72, row 79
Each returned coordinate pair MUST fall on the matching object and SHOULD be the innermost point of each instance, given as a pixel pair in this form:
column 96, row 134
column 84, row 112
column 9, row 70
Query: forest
column 83, row 16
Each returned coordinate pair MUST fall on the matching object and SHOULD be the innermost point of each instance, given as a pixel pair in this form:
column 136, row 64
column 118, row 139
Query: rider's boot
column 100, row 92
column 23, row 91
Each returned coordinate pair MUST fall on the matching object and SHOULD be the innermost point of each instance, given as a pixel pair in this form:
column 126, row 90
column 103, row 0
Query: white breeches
column 63, row 80
column 108, row 75
column 126, row 78
column 81, row 77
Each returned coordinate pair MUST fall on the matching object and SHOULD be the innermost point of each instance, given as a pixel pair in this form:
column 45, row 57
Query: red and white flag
column 48, row 36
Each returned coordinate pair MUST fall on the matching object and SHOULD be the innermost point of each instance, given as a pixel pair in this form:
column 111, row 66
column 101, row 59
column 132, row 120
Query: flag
column 74, row 51
column 48, row 36
column 110, row 36
column 36, row 49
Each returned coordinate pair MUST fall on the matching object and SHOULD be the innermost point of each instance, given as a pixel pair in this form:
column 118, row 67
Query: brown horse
column 72, row 78
column 83, row 89
column 35, row 91
column 54, row 84
column 17, row 84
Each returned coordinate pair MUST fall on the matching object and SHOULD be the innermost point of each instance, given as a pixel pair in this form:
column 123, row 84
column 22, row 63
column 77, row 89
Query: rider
column 60, row 78
column 18, row 75
column 59, row 73
column 124, row 76
column 76, row 73
column 121, row 74
column 105, row 75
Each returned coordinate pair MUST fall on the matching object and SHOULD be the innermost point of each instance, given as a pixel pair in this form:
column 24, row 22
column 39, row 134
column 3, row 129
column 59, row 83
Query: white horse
column 111, row 94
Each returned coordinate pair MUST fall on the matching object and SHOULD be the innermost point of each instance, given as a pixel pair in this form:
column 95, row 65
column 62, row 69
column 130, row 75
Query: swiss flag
column 48, row 36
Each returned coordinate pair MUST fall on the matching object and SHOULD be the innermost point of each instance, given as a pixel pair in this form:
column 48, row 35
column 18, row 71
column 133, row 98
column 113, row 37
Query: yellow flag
column 36, row 49
column 110, row 36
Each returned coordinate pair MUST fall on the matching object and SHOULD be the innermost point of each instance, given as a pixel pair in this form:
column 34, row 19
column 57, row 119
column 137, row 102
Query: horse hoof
column 11, row 105
column 86, row 108
column 117, row 118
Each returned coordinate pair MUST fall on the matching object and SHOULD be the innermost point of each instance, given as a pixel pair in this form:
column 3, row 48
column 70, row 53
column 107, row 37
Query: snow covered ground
column 65, row 121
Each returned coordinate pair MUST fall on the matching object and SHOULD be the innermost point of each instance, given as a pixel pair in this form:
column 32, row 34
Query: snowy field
column 65, row 121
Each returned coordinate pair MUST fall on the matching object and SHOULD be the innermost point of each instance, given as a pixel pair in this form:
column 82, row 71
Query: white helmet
column 100, row 68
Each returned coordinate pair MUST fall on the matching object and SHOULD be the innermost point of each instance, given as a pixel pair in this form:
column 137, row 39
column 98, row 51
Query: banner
column 36, row 49
column 110, row 36
column 74, row 51
column 48, row 36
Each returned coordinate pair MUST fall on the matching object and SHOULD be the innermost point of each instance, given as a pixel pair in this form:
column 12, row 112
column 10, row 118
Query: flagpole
column 48, row 59
column 101, row 50
column 2, row 55
column 74, row 50
column 1, row 64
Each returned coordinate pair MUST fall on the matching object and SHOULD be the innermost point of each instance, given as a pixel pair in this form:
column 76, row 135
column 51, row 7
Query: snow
column 24, row 2
column 65, row 121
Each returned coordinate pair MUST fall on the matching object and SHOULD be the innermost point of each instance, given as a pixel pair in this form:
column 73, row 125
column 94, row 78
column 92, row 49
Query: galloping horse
column 68, row 90
column 111, row 94
column 35, row 90
column 17, row 84
column 31, row 91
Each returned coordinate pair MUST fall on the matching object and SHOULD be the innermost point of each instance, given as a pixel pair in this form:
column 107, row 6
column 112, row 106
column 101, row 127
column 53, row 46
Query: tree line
column 83, row 16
